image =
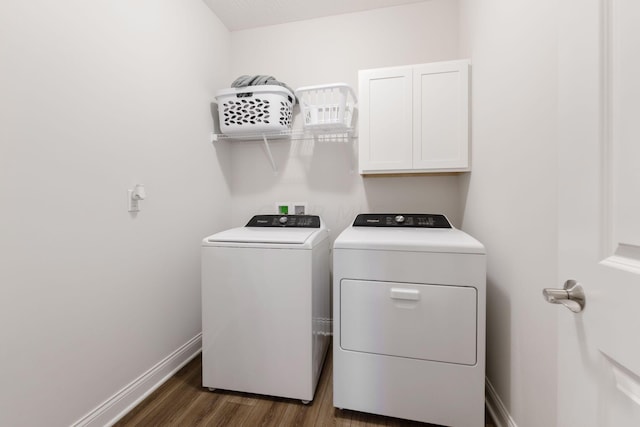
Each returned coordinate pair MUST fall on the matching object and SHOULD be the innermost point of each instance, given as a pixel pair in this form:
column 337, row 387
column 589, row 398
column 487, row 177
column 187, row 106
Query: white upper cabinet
column 415, row 119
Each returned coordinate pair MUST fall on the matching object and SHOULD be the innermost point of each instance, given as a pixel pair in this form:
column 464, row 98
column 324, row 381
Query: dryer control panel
column 297, row 221
column 402, row 220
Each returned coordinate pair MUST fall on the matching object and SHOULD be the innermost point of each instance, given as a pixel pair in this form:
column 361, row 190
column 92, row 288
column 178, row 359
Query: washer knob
column 283, row 220
column 399, row 219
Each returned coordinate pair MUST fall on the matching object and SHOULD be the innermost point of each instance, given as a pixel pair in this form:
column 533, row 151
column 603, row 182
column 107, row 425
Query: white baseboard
column 118, row 405
column 497, row 410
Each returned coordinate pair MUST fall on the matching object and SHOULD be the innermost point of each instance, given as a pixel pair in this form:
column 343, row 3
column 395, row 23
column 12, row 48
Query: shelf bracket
column 266, row 146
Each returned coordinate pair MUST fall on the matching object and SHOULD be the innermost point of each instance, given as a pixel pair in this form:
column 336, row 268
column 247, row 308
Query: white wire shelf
column 318, row 134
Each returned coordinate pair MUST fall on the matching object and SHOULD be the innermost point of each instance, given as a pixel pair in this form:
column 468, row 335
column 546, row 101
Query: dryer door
column 420, row 321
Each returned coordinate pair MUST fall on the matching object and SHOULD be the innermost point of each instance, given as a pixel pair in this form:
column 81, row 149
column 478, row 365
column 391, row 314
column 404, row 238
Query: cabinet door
column 441, row 116
column 385, row 108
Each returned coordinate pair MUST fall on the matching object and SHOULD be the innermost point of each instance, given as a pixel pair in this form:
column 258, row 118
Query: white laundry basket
column 329, row 106
column 255, row 109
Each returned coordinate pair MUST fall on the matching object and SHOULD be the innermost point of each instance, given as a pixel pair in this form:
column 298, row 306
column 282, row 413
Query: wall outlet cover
column 291, row 208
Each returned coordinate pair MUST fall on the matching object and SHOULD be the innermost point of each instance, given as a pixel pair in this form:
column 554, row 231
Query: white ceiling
column 243, row 14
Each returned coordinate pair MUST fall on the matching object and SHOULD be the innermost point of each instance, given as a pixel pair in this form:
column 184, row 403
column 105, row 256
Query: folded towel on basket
column 258, row 80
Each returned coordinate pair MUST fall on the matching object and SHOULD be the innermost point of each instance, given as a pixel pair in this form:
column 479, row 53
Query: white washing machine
column 265, row 306
column 409, row 313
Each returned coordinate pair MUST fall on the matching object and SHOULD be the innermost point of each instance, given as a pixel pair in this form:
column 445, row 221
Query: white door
column 599, row 198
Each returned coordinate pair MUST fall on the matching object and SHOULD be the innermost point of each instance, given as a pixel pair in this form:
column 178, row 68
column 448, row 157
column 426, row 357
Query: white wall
column 95, row 97
column 330, row 50
column 509, row 199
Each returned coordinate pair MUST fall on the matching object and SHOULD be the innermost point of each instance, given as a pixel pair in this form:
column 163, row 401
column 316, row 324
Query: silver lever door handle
column 571, row 296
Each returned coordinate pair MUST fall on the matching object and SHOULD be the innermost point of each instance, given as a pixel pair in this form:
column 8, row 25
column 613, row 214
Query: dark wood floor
column 182, row 401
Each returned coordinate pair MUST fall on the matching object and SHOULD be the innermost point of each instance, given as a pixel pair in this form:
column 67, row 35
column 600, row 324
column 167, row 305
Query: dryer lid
column 444, row 240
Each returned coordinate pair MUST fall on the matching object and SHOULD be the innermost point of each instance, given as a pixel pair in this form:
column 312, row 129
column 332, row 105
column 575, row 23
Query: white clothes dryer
column 265, row 306
column 409, row 313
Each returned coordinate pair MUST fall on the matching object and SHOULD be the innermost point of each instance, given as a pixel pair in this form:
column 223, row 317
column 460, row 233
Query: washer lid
column 448, row 240
column 274, row 231
column 296, row 236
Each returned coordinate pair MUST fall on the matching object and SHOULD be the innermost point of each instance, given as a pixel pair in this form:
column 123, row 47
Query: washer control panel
column 292, row 221
column 402, row 220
